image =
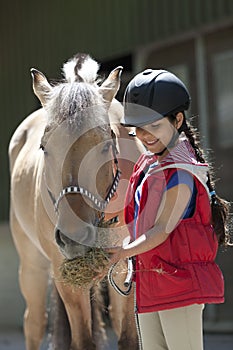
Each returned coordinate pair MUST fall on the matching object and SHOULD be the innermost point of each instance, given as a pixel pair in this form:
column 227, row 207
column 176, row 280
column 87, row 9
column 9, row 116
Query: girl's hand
column 114, row 257
column 115, row 254
column 118, row 253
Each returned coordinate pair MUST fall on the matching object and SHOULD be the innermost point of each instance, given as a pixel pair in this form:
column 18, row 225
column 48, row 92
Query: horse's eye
column 42, row 147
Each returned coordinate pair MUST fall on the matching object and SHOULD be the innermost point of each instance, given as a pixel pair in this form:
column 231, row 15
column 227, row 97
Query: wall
column 44, row 34
column 11, row 301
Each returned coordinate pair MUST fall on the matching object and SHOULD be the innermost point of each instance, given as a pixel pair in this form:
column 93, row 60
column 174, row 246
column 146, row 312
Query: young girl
column 175, row 219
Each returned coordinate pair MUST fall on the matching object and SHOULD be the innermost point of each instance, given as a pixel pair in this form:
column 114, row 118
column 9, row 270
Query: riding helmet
column 152, row 95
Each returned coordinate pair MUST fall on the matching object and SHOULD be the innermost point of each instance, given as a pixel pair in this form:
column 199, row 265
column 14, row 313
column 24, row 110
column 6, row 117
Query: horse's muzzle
column 70, row 248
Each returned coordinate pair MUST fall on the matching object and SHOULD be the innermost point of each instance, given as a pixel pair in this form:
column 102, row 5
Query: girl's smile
column 157, row 136
column 150, row 143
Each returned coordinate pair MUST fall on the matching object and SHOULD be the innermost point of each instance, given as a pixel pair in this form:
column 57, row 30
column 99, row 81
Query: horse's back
column 27, row 133
column 24, row 159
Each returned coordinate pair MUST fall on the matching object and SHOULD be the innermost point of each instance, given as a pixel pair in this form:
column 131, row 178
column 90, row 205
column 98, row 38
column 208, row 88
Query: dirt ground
column 13, row 340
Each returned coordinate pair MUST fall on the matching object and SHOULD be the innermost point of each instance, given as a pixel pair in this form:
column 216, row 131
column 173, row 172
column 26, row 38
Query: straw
column 83, row 271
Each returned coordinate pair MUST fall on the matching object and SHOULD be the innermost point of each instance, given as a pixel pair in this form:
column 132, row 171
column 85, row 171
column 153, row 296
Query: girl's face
column 157, row 135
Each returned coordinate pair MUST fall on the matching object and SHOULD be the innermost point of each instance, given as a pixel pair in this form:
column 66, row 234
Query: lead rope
column 137, row 320
column 127, row 282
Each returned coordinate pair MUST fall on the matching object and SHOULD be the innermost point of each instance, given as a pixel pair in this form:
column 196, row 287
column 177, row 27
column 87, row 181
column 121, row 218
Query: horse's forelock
column 81, row 68
column 76, row 103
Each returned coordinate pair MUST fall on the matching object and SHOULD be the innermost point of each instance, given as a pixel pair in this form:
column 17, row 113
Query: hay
column 83, row 272
column 86, row 271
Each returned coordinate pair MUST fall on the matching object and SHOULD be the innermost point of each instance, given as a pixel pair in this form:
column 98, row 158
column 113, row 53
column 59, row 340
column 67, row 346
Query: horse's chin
column 71, row 253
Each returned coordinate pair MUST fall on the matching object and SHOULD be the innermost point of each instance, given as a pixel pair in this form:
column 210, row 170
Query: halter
column 100, row 205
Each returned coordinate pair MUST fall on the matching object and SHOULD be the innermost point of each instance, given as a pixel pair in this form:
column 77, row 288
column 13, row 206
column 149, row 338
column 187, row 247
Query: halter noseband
column 99, row 204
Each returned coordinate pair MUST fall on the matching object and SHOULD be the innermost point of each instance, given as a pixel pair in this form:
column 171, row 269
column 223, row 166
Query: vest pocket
column 168, row 280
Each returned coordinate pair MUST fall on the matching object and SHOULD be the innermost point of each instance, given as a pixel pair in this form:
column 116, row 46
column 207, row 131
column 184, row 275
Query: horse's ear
column 111, row 85
column 41, row 86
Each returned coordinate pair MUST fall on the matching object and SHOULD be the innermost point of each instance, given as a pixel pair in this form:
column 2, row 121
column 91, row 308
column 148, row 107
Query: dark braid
column 219, row 207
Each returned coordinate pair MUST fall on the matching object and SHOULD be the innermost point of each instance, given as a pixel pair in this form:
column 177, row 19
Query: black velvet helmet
column 152, row 95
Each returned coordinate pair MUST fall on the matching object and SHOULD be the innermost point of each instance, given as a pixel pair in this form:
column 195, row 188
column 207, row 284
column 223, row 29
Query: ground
column 13, row 340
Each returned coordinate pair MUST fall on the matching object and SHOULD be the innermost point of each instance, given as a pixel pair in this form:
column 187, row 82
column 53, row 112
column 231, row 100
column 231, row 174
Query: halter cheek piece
column 100, row 205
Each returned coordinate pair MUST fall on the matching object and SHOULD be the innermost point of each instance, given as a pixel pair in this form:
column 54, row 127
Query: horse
column 64, row 174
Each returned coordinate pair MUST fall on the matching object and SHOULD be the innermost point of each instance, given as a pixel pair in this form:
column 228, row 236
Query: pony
column 64, row 173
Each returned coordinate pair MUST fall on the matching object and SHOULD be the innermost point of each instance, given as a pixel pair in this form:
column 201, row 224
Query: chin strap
column 171, row 143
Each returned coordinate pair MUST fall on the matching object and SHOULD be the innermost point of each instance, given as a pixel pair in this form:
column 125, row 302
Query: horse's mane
column 77, row 99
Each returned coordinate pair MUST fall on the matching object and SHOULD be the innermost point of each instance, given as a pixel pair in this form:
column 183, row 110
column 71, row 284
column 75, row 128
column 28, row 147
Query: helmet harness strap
column 171, row 144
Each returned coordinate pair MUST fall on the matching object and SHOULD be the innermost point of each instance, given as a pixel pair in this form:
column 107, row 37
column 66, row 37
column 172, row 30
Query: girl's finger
column 112, row 250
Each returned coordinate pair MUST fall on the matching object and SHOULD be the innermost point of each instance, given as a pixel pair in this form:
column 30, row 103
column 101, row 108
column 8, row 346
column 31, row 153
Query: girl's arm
column 171, row 210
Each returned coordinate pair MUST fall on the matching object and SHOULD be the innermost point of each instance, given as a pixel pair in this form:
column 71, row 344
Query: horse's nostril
column 58, row 238
column 87, row 238
column 62, row 240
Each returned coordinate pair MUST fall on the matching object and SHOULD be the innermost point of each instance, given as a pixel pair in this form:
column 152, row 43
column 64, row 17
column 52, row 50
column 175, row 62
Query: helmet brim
column 137, row 115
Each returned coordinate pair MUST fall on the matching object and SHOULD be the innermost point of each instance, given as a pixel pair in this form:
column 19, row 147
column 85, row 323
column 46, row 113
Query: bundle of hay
column 83, row 272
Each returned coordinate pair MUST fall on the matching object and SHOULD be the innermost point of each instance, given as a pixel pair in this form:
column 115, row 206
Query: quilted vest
column 182, row 270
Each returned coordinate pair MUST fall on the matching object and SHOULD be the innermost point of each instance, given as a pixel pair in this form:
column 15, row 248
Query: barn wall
column 44, row 34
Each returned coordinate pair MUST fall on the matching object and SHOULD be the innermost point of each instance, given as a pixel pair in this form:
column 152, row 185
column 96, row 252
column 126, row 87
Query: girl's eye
column 155, row 126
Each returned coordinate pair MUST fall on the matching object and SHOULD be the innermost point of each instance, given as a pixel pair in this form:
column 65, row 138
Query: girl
column 175, row 219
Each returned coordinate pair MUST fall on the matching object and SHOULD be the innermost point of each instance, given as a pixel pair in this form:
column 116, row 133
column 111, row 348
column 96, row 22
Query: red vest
column 181, row 271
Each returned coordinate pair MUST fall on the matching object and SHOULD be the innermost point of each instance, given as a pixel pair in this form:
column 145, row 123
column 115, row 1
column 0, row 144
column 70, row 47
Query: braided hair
column 220, row 208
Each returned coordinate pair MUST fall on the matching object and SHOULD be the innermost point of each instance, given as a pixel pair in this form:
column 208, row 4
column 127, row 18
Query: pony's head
column 78, row 151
